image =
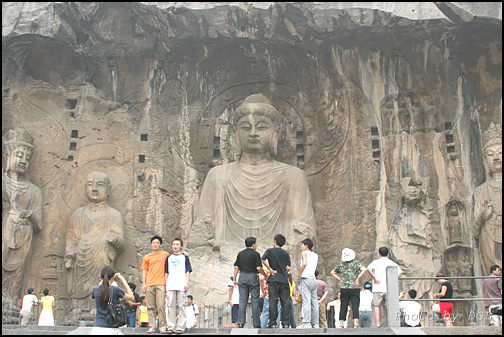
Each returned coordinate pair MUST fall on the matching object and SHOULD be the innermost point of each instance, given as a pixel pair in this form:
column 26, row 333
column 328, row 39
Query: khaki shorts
column 379, row 298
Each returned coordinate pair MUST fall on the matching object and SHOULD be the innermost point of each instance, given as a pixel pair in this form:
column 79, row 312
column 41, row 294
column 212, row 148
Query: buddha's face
column 256, row 133
column 493, row 157
column 412, row 194
column 97, row 187
column 19, row 159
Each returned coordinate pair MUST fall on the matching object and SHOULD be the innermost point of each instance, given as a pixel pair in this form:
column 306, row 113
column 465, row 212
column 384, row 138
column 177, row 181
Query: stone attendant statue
column 410, row 237
column 94, row 237
column 256, row 195
column 488, row 201
column 21, row 211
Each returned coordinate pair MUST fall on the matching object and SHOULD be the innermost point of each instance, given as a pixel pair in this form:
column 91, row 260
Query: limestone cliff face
column 146, row 93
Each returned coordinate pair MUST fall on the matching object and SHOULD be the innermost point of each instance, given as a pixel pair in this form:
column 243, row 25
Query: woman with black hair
column 101, row 295
column 445, row 293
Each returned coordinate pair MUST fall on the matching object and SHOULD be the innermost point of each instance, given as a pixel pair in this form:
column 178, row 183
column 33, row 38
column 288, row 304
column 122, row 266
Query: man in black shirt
column 248, row 263
column 278, row 261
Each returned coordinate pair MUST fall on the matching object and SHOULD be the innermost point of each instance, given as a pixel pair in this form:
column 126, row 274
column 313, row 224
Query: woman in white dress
column 46, row 316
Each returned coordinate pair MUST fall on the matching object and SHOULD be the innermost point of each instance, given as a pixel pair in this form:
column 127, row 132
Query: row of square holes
column 73, row 145
column 375, row 144
column 299, row 147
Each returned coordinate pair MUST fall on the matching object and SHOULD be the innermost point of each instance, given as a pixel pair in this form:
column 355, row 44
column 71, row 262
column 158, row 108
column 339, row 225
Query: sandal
column 179, row 331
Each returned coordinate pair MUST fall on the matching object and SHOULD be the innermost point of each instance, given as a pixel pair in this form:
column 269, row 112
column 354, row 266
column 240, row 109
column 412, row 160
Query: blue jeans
column 365, row 319
column 132, row 318
column 265, row 314
column 234, row 313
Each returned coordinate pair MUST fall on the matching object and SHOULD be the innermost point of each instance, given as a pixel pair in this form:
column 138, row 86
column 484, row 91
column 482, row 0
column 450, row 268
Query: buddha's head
column 257, row 125
column 412, row 191
column 97, row 187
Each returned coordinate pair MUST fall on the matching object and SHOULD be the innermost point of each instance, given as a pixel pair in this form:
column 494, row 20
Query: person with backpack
column 101, row 295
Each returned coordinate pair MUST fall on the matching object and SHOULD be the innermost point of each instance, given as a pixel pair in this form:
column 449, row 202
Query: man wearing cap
column 28, row 301
column 351, row 272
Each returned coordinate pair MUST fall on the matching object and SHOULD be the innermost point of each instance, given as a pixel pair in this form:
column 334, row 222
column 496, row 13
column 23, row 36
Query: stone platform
column 59, row 330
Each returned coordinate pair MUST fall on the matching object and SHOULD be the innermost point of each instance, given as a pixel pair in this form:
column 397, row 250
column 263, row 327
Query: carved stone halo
column 111, row 159
column 310, row 139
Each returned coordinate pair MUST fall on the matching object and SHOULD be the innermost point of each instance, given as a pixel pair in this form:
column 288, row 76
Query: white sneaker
column 304, row 326
column 316, row 326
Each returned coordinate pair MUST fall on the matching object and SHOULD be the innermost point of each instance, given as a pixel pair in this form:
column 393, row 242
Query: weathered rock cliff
column 145, row 94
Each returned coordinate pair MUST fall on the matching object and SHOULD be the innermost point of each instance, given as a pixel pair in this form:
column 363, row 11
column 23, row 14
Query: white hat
column 347, row 255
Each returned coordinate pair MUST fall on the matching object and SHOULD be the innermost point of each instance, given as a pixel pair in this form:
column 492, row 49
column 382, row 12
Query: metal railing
column 466, row 311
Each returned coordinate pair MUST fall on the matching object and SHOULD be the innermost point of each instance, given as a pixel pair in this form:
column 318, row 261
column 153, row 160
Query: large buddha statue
column 21, row 211
column 94, row 237
column 256, row 195
column 488, row 201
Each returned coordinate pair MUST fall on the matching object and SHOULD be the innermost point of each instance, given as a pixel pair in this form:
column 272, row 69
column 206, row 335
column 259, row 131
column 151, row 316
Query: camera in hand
column 497, row 311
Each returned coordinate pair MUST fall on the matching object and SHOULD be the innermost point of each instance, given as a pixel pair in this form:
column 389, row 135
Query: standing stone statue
column 21, row 211
column 488, row 201
column 94, row 237
column 410, row 237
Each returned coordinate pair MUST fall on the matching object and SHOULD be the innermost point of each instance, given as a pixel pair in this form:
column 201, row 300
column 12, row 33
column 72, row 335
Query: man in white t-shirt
column 177, row 273
column 192, row 313
column 411, row 309
column 378, row 271
column 28, row 301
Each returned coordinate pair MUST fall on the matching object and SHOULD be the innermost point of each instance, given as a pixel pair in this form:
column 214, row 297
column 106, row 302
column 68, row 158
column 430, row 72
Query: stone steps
column 62, row 330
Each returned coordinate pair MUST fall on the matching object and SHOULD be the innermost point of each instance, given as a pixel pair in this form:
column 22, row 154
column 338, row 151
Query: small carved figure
column 454, row 224
column 388, row 115
column 404, row 115
column 418, row 116
column 488, row 201
column 94, row 237
column 21, row 210
column 432, row 115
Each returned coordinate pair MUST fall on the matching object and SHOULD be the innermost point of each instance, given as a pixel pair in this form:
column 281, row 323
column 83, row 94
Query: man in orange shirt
column 154, row 284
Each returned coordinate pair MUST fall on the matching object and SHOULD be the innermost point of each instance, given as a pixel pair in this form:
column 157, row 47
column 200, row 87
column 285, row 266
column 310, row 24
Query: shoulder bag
column 116, row 314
